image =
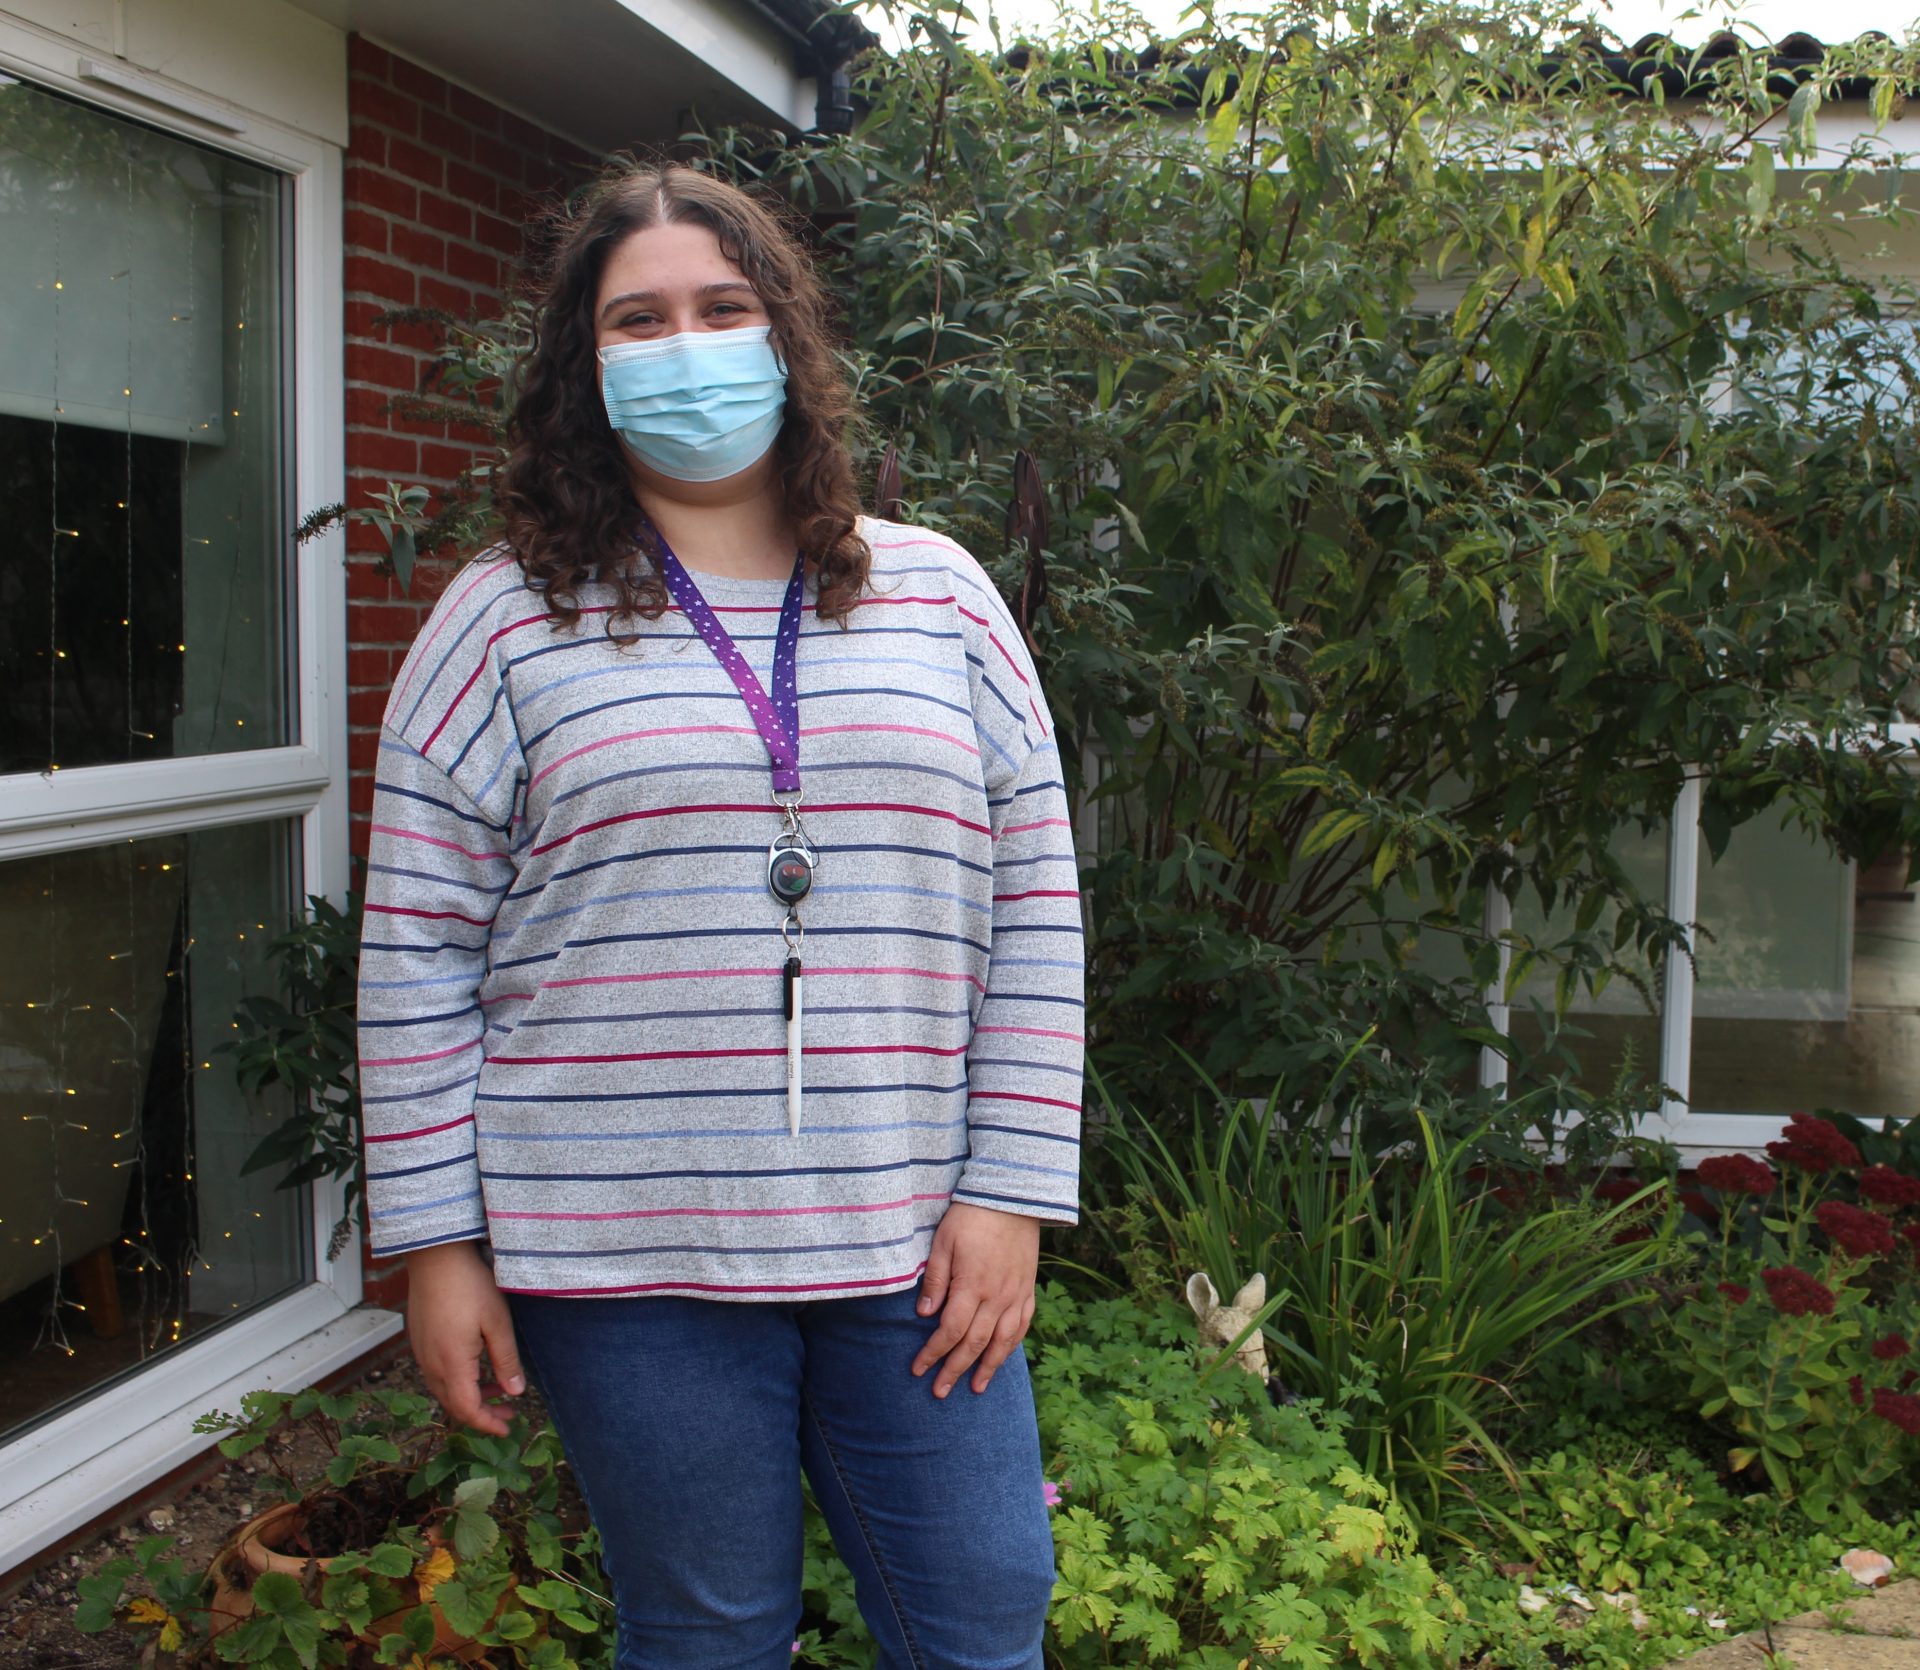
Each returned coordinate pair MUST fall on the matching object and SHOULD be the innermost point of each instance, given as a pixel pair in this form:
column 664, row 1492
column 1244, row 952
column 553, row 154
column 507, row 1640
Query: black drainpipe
column 824, row 43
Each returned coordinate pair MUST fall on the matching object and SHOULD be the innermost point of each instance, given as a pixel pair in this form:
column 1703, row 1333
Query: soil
column 36, row 1621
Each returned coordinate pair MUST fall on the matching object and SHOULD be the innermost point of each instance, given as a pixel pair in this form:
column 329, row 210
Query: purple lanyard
column 777, row 721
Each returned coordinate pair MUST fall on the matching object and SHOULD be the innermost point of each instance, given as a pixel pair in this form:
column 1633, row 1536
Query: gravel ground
column 36, row 1621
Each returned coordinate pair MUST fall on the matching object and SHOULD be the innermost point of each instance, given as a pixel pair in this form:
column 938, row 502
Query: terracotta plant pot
column 254, row 1548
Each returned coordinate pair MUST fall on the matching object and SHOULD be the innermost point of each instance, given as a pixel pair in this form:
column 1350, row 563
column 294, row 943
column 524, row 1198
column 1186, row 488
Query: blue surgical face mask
column 699, row 405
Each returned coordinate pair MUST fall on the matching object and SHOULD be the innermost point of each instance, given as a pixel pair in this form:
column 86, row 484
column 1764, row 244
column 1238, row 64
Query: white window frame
column 60, row 1475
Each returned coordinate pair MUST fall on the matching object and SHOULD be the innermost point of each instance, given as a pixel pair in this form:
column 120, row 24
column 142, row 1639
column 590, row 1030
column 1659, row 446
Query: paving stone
column 1880, row 1631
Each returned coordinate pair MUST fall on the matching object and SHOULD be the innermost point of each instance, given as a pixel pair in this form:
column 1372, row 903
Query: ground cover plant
column 1635, row 1513
column 1196, row 1524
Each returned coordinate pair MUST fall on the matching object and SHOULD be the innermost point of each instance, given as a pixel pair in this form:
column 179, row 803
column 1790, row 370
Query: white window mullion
column 1496, row 924
column 1683, row 905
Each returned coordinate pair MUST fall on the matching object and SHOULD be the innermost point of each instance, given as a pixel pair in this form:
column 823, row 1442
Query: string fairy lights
column 115, row 1241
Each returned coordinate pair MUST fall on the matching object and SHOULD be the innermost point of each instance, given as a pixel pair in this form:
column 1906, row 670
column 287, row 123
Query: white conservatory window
column 172, row 762
column 143, row 615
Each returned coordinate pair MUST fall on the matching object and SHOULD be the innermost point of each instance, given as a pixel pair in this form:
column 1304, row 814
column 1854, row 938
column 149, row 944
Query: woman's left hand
column 981, row 1267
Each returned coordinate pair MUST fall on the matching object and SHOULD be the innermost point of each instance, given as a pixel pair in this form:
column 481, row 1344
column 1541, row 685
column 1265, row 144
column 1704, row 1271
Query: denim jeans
column 688, row 1423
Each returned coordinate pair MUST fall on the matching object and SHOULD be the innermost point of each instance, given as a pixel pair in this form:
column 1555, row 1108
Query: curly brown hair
column 565, row 495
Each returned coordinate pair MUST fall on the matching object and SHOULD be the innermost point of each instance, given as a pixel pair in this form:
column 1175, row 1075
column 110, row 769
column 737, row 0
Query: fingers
column 939, row 1271
column 503, row 1352
column 1008, row 1332
column 455, row 1315
column 978, row 1336
column 955, row 1320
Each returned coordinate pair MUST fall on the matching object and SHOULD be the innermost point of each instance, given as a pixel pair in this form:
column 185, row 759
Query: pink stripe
column 412, row 1060
column 1011, row 1096
column 435, row 841
column 423, row 1131
column 642, row 736
column 711, row 1287
column 429, row 915
column 420, row 654
column 507, row 997
column 1031, row 1032
column 812, row 812
column 1037, row 893
column 981, row 620
column 716, row 1212
column 726, row 1055
column 896, row 730
column 479, row 667
column 1044, row 823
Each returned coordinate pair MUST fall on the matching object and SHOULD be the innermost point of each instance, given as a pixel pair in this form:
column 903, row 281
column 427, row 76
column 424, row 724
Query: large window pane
column 1616, row 1034
column 125, row 1225
column 1809, row 987
column 144, row 534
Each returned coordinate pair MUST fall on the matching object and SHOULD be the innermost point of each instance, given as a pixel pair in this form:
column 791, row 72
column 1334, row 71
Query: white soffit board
column 267, row 56
column 603, row 73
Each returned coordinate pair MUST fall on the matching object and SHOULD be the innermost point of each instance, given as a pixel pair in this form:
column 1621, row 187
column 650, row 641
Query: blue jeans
column 688, row 1423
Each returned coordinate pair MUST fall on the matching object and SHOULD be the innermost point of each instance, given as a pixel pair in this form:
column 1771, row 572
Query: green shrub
column 1417, row 522
column 1408, row 1295
column 1197, row 1525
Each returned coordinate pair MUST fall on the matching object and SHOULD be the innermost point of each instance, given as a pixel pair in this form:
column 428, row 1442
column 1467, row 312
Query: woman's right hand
column 454, row 1314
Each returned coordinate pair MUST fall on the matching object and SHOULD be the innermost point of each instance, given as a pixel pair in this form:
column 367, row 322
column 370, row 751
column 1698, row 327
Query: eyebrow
column 704, row 291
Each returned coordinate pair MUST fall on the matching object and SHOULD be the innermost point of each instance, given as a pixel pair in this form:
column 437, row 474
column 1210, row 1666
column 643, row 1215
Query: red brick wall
column 438, row 186
column 439, row 183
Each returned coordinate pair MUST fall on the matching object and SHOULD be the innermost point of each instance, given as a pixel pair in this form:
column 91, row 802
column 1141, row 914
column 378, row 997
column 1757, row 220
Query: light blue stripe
column 423, row 1205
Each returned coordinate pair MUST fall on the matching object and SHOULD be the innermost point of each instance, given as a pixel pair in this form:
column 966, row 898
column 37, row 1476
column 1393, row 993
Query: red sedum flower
column 1857, row 1389
column 1886, row 1187
column 1892, row 1346
column 1814, row 1145
column 1737, row 1174
column 1857, row 1233
column 1795, row 1293
column 1901, row 1408
column 1696, row 1202
column 1735, row 1293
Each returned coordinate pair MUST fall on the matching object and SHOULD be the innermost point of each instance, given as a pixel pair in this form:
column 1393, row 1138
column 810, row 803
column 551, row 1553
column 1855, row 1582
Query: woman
column 722, row 971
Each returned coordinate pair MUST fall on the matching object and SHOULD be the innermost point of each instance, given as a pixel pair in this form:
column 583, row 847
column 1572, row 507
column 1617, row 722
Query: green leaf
column 1760, row 179
column 400, row 550
column 461, row 1607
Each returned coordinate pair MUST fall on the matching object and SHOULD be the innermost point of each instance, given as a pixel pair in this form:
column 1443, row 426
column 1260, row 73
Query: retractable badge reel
column 790, row 865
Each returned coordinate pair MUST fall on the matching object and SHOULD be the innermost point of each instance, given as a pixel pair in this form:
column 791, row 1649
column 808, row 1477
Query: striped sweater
column 571, row 1034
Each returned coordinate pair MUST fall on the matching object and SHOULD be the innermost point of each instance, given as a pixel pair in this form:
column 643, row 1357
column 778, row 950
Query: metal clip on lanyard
column 790, row 863
column 792, row 857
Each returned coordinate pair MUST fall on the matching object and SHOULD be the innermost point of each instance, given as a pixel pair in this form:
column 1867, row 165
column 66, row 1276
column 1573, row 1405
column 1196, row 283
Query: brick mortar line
column 379, row 125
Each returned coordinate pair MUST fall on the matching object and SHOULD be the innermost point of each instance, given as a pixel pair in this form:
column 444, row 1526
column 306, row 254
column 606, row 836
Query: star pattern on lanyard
column 790, row 859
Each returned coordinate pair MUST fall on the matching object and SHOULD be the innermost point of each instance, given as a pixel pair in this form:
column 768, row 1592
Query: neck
column 737, row 528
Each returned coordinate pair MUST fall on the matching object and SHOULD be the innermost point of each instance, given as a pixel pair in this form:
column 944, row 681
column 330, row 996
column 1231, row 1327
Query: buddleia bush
column 1447, row 449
